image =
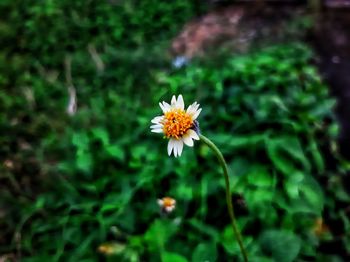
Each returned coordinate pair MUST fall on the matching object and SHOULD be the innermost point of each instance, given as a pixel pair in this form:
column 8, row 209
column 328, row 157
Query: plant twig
column 72, row 104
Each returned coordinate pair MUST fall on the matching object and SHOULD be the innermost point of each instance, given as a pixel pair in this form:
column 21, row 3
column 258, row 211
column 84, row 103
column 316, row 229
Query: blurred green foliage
column 76, row 188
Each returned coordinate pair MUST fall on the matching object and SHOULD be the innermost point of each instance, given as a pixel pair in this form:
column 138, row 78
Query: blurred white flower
column 178, row 125
column 167, row 204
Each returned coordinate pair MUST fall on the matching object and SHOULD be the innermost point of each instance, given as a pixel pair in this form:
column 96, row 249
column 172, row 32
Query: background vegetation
column 83, row 187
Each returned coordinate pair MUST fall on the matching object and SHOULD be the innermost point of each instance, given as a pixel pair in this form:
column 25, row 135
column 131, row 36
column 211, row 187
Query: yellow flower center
column 176, row 123
column 168, row 202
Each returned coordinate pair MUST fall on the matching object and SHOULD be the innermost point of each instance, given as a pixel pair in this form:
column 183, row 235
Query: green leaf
column 185, row 190
column 81, row 141
column 286, row 154
column 312, row 194
column 84, row 161
column 82, row 248
column 293, row 183
column 284, row 246
column 317, row 157
column 116, row 151
column 101, row 134
column 205, row 252
column 229, row 242
column 293, row 147
column 205, row 229
column 236, row 141
column 172, row 257
column 305, row 195
column 260, row 177
column 158, row 233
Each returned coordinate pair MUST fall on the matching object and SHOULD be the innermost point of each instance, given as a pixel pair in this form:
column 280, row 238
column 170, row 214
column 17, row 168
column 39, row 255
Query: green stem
column 228, row 194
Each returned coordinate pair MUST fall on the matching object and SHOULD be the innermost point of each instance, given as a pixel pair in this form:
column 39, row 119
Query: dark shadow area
column 331, row 40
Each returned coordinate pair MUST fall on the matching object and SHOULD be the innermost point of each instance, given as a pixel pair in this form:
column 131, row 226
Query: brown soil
column 236, row 28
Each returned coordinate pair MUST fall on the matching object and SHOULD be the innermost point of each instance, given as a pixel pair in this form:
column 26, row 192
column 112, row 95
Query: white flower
column 167, row 204
column 177, row 124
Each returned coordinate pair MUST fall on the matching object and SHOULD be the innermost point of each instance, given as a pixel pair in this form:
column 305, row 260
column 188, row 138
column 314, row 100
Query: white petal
column 178, row 147
column 193, row 134
column 192, row 108
column 161, row 106
column 156, row 126
column 171, row 144
column 180, row 102
column 189, row 109
column 159, row 130
column 175, row 148
column 169, row 209
column 157, row 119
column 160, row 202
column 187, row 140
column 164, row 106
column 196, row 114
column 173, row 101
column 196, row 107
